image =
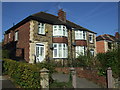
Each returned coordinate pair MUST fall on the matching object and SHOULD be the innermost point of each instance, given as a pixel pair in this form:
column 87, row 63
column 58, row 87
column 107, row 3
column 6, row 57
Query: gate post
column 73, row 73
column 44, row 81
column 109, row 78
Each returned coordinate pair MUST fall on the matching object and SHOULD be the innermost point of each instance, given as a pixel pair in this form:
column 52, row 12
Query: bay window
column 59, row 30
column 41, row 28
column 80, row 35
column 60, row 50
column 80, row 50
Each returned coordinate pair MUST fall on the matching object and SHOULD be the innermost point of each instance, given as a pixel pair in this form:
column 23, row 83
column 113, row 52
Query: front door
column 39, row 52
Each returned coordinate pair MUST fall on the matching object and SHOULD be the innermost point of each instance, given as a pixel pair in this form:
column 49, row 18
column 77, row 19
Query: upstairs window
column 90, row 37
column 59, row 30
column 60, row 50
column 9, row 35
column 109, row 45
column 80, row 35
column 41, row 28
column 80, row 50
column 16, row 36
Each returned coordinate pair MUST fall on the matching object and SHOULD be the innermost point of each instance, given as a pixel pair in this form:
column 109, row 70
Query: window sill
column 91, row 42
column 42, row 34
column 58, row 58
column 80, row 39
column 60, row 36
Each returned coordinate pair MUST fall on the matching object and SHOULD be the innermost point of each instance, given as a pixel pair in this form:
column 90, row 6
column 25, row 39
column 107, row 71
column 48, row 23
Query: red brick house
column 43, row 36
column 106, row 42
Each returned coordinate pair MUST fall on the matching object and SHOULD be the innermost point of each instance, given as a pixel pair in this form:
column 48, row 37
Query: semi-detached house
column 43, row 36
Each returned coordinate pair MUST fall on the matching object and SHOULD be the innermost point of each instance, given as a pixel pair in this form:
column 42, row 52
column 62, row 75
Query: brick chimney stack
column 62, row 15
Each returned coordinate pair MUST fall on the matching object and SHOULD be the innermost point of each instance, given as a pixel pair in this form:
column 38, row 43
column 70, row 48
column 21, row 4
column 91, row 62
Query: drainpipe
column 71, row 49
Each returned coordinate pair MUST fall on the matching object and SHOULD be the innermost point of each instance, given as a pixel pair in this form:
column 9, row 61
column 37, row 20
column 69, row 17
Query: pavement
column 81, row 82
column 5, row 83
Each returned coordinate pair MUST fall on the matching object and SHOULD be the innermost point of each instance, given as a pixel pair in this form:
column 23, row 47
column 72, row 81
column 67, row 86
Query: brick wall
column 21, row 44
column 81, row 42
column 23, row 39
column 60, row 40
column 85, row 73
column 100, row 46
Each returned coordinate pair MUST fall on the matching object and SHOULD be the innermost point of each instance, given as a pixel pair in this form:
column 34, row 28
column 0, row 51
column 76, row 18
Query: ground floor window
column 60, row 50
column 92, row 52
column 80, row 50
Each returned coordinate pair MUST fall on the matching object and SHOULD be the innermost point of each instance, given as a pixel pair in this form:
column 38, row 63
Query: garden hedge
column 24, row 74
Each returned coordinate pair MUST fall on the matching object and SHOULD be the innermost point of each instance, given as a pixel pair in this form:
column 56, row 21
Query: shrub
column 110, row 59
column 5, row 53
column 24, row 74
column 84, row 60
column 49, row 66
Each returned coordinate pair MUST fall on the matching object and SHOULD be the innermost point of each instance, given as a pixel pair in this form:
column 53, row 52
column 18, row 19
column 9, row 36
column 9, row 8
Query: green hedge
column 24, row 74
column 110, row 59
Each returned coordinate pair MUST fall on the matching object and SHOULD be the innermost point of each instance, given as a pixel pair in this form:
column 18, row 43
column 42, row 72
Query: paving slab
column 81, row 82
column 5, row 83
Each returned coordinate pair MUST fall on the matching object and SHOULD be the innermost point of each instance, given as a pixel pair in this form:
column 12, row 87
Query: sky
column 100, row 17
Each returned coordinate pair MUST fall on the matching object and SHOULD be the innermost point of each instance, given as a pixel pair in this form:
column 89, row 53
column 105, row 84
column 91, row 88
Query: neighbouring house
column 43, row 36
column 106, row 42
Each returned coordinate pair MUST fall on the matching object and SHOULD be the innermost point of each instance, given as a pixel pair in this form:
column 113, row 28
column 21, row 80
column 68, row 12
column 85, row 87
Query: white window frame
column 92, row 51
column 9, row 35
column 79, row 35
column 63, row 49
column 41, row 29
column 91, row 35
column 60, row 30
column 80, row 50
column 16, row 36
column 44, row 48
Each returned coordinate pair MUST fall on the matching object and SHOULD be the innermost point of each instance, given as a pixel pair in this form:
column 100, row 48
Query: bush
column 49, row 66
column 24, row 74
column 110, row 59
column 84, row 60
column 5, row 53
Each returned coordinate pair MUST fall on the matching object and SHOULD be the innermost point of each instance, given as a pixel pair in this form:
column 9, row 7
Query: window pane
column 60, row 50
column 37, row 51
column 55, row 52
column 63, row 32
column 92, row 52
column 42, row 24
column 55, row 45
column 91, row 38
column 60, row 26
column 41, row 28
column 55, row 26
column 16, row 36
column 64, row 52
column 80, row 34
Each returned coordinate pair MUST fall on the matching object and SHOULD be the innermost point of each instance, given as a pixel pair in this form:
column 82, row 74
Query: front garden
column 28, row 75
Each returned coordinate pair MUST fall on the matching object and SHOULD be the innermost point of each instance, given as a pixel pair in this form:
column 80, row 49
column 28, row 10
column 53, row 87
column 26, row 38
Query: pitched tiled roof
column 49, row 18
column 106, row 37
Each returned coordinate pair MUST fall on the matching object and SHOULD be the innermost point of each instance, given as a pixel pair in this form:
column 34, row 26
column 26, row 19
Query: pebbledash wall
column 36, row 38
